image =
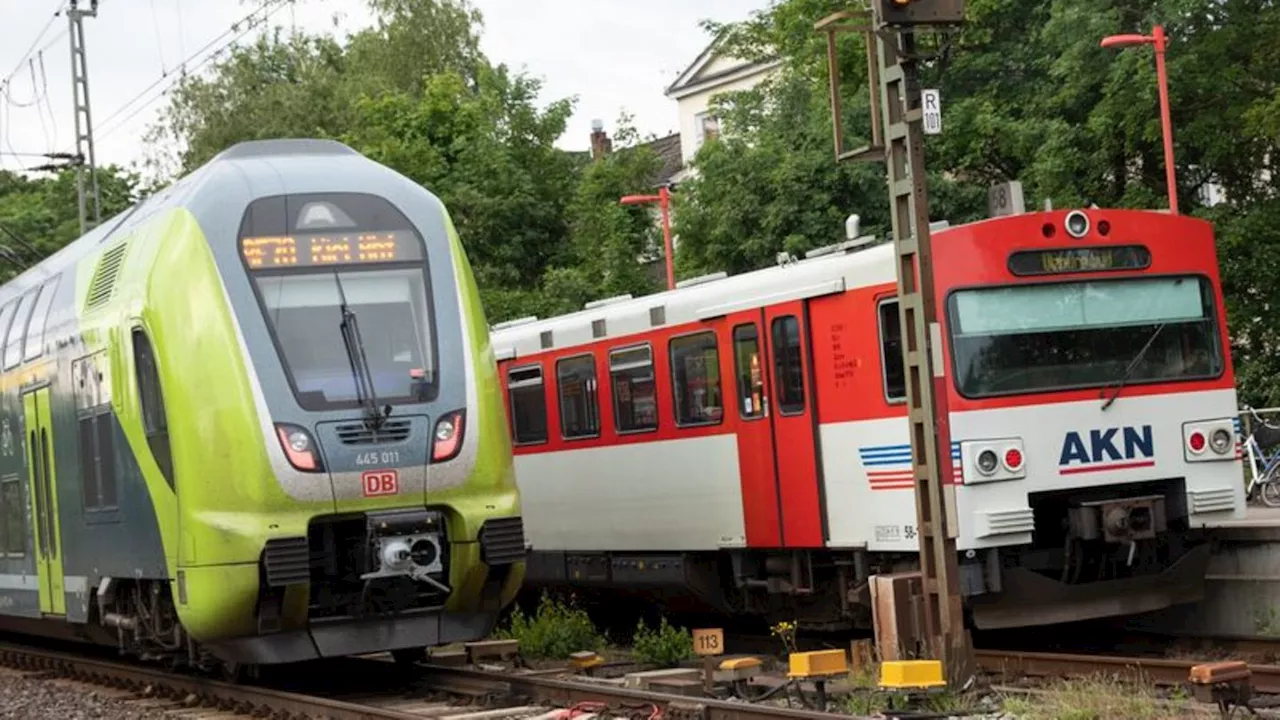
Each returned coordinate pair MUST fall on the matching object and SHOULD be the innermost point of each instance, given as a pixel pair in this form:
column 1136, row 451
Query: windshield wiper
column 366, row 395
column 1133, row 364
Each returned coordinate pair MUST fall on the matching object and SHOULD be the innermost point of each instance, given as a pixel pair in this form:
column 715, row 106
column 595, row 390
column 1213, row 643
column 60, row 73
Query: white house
column 710, row 74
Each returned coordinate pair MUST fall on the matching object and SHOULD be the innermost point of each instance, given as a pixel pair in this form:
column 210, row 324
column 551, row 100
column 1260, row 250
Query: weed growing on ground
column 555, row 630
column 1097, row 698
column 665, row 647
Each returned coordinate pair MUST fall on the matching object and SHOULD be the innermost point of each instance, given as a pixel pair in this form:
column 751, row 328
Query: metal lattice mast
column 897, row 137
column 85, row 159
column 927, row 412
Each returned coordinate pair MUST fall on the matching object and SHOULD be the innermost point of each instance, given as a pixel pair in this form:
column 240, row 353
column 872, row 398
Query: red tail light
column 447, row 439
column 299, row 448
column 1013, row 459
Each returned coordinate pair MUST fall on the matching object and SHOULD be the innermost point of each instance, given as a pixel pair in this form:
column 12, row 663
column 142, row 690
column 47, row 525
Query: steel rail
column 244, row 699
column 565, row 693
column 1160, row 671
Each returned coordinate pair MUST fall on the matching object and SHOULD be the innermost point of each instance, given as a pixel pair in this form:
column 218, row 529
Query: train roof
column 267, row 166
column 859, row 263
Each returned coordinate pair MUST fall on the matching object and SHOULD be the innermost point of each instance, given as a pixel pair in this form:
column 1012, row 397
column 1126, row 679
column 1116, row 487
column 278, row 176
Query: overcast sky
column 611, row 54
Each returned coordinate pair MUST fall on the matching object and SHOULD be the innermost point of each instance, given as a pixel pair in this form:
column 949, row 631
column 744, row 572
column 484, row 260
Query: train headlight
column 1077, row 224
column 987, row 462
column 299, row 448
column 1220, row 441
column 448, row 436
column 299, row 441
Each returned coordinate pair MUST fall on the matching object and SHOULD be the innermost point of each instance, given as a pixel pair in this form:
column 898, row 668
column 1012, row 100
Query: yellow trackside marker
column 818, row 663
column 911, row 674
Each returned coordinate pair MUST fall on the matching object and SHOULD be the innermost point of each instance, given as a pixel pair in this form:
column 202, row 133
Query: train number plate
column 380, row 482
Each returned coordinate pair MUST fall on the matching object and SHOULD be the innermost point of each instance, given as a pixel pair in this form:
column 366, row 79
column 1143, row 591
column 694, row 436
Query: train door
column 794, row 426
column 44, row 501
column 757, row 463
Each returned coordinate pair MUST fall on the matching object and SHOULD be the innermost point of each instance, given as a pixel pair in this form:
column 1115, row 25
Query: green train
column 255, row 419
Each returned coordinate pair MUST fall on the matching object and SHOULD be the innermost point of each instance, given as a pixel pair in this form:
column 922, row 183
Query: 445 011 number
column 386, row 457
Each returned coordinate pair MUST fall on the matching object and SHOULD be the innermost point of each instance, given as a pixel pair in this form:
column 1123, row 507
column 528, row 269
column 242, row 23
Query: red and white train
column 743, row 440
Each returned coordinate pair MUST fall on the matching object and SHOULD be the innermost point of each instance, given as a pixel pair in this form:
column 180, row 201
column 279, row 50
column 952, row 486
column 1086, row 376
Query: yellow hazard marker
column 817, row 664
column 911, row 674
column 741, row 668
column 585, row 660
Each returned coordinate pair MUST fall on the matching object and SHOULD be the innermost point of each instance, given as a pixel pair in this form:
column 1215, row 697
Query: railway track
column 1153, row 670
column 440, row 693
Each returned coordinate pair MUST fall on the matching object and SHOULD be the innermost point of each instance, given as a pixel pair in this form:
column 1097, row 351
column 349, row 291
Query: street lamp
column 1156, row 38
column 663, row 198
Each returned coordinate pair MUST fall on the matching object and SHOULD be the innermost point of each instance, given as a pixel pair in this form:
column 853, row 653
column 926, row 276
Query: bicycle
column 1264, row 484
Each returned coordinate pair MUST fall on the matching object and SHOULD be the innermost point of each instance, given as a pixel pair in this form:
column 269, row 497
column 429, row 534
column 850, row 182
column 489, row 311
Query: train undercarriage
column 1114, row 551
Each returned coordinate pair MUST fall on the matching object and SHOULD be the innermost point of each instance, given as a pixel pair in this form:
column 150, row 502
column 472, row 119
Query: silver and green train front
column 381, row 417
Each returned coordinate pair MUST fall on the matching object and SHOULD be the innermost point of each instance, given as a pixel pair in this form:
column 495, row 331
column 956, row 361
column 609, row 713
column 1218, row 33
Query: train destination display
column 1074, row 260
column 282, row 251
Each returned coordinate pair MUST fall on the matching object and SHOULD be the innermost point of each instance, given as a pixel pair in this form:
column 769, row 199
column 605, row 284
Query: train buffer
column 1226, row 684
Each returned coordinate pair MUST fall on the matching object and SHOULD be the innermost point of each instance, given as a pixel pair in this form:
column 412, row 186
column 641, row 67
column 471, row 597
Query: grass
column 1097, row 698
column 555, row 630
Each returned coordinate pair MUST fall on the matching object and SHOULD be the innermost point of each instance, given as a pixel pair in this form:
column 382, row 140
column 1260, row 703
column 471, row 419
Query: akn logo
column 1109, row 449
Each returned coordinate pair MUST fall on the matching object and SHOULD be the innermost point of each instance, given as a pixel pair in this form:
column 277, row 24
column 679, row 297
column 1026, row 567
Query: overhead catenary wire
column 191, row 63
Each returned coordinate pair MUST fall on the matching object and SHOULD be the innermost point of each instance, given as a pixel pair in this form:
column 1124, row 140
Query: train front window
column 306, row 314
column 1059, row 336
column 342, row 281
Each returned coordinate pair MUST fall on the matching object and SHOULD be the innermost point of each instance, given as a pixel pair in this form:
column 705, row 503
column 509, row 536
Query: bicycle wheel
column 1270, row 491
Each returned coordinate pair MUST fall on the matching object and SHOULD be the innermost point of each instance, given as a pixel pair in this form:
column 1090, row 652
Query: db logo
column 380, row 482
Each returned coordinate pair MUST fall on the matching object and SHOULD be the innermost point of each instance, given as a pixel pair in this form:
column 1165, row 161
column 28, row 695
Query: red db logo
column 380, row 482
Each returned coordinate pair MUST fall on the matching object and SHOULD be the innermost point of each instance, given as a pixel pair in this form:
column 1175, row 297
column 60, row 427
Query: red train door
column 794, row 424
column 757, row 466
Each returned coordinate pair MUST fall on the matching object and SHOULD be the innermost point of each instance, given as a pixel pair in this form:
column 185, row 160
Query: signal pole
column 898, row 140
column 84, row 121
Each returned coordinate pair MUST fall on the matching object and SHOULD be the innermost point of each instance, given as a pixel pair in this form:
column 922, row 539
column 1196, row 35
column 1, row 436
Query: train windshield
column 344, row 289
column 1093, row 333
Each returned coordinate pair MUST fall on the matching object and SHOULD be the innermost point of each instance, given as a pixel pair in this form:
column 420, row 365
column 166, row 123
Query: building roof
column 668, row 149
column 699, row 76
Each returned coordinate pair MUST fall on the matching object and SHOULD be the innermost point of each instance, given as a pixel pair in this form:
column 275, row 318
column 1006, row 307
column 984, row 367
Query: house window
column 635, row 405
column 528, row 405
column 708, row 127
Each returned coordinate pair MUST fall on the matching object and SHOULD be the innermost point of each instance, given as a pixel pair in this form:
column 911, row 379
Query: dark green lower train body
column 256, row 419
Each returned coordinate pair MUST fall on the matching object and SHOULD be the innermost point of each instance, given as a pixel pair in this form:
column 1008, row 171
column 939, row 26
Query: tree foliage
column 39, row 215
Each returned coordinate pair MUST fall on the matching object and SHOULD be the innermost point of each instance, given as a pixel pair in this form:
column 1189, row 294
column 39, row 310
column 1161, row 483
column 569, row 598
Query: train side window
column 635, row 399
column 695, row 377
column 788, row 366
column 91, row 378
column 528, row 405
column 579, row 405
column 895, row 377
column 750, row 375
column 14, row 516
column 39, row 318
column 6, row 317
column 18, row 330
column 151, row 400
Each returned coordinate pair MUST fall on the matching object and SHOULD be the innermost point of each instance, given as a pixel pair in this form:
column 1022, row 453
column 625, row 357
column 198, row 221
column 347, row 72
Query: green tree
column 39, row 215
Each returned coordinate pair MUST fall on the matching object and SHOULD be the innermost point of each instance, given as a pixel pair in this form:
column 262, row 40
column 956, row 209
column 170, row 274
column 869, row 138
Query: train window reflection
column 528, row 405
column 635, row 400
column 788, row 366
column 750, row 372
column 895, row 377
column 579, row 406
column 695, row 376
column 390, row 307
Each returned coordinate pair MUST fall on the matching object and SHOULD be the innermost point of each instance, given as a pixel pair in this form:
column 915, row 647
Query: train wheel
column 408, row 657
